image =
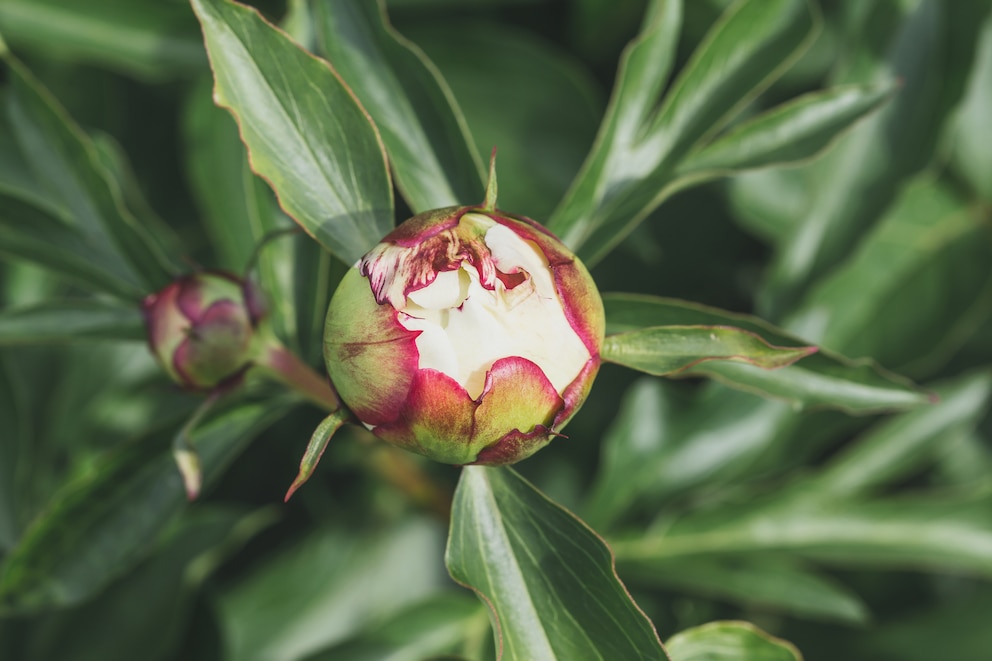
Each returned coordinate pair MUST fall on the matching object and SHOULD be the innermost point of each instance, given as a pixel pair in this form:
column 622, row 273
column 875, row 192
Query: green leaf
column 644, row 67
column 915, row 289
column 751, row 45
column 147, row 38
column 53, row 165
column 546, row 117
column 858, row 179
column 432, row 628
column 102, row 523
column 70, row 321
column 430, row 150
column 668, row 350
column 795, row 131
column 306, row 134
column 547, row 577
column 659, row 446
column 730, row 641
column 895, row 448
column 824, row 379
column 239, row 210
column 327, row 587
column 949, row 532
column 771, row 584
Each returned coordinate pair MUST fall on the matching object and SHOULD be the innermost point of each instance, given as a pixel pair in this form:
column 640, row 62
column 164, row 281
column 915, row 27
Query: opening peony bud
column 201, row 328
column 466, row 335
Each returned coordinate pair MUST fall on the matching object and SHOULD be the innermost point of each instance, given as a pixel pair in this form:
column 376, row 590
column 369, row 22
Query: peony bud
column 467, row 335
column 201, row 328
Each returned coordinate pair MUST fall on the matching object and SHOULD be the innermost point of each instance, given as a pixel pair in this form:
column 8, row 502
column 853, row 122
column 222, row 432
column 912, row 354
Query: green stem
column 284, row 366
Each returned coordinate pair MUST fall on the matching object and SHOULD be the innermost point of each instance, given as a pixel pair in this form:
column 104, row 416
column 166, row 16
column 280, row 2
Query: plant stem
column 284, row 366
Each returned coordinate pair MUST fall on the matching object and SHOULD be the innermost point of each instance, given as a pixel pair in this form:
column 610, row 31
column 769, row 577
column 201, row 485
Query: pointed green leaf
column 547, row 577
column 70, row 321
column 823, row 379
column 643, row 70
column 306, row 133
column 795, row 131
column 433, row 159
column 972, row 143
column 751, row 45
column 100, row 524
column 669, row 350
column 730, row 641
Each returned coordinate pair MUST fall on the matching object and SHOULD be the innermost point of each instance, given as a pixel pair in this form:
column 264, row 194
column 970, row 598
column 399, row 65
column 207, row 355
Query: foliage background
column 860, row 537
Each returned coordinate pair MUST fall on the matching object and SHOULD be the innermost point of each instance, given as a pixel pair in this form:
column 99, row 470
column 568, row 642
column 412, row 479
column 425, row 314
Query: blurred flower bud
column 201, row 328
column 467, row 335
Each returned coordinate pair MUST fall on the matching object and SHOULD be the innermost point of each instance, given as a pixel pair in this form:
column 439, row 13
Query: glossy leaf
column 668, row 350
column 70, row 321
column 730, row 641
column 547, row 577
column 823, row 379
column 102, row 523
column 795, row 131
column 55, row 167
column 750, row 46
column 329, row 586
column 641, row 75
column 432, row 155
column 147, row 38
column 775, row 585
column 305, row 132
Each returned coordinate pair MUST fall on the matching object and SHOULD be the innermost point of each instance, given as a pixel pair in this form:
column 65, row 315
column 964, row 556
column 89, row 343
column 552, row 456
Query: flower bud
column 467, row 335
column 201, row 328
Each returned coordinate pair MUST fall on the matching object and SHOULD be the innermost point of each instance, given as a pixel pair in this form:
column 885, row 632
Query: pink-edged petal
column 190, row 297
column 518, row 401
column 161, row 319
column 436, row 419
column 370, row 357
column 514, row 447
column 576, row 393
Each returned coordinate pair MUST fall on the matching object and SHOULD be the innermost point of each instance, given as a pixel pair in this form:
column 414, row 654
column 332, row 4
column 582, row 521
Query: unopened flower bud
column 201, row 328
column 467, row 335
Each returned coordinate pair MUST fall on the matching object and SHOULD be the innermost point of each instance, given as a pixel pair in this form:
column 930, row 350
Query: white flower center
column 465, row 327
